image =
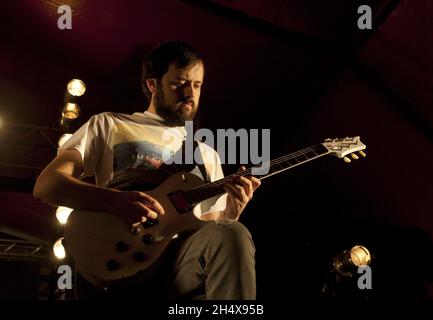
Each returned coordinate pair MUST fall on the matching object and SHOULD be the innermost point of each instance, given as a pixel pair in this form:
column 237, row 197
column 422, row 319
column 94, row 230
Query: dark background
column 301, row 68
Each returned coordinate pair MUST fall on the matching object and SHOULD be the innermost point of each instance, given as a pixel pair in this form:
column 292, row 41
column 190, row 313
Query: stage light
column 71, row 111
column 348, row 262
column 65, row 137
column 59, row 250
column 360, row 256
column 76, row 87
column 62, row 214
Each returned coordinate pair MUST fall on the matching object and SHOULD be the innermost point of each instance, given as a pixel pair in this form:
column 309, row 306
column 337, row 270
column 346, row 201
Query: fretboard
column 268, row 169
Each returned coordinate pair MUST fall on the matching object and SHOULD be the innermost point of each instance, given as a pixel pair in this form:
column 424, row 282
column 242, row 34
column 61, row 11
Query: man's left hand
column 240, row 191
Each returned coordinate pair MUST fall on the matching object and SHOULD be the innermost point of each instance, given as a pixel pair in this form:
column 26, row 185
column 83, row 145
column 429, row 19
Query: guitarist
column 123, row 151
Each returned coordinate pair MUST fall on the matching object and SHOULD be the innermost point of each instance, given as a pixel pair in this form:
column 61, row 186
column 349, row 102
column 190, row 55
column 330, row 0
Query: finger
column 256, row 182
column 133, row 218
column 247, row 185
column 242, row 195
column 237, row 192
column 136, row 226
column 242, row 168
column 152, row 215
column 149, row 212
column 149, row 200
column 230, row 190
column 142, row 212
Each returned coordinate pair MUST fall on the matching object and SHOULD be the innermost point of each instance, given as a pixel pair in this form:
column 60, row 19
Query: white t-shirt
column 114, row 145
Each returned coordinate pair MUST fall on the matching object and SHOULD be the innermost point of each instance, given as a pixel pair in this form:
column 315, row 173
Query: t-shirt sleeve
column 90, row 140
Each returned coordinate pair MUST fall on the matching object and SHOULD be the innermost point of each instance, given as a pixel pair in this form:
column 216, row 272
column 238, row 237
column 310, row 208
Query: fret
column 301, row 158
column 206, row 193
column 310, row 155
column 293, row 161
column 218, row 190
column 286, row 164
column 273, row 168
column 320, row 149
column 215, row 190
column 277, row 166
column 314, row 152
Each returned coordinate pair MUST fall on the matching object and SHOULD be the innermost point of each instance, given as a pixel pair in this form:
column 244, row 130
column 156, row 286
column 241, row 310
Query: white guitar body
column 105, row 249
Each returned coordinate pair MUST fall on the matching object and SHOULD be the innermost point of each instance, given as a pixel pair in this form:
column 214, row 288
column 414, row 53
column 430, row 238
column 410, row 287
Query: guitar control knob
column 147, row 238
column 139, row 256
column 122, row 246
column 149, row 223
column 112, row 265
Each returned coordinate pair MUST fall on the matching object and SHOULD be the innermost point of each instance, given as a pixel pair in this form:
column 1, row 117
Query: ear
column 151, row 85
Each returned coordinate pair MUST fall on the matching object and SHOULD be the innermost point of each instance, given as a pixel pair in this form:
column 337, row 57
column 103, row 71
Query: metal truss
column 31, row 139
column 29, row 130
column 24, row 250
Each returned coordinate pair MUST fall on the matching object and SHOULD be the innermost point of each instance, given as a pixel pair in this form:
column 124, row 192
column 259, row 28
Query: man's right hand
column 136, row 207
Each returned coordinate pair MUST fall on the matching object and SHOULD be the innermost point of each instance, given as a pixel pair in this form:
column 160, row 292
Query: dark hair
column 156, row 64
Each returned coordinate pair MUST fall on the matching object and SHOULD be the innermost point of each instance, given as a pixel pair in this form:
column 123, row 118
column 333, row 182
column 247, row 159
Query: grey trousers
column 216, row 263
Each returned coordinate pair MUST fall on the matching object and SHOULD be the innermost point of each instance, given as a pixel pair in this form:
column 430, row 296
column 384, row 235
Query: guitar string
column 247, row 172
column 272, row 163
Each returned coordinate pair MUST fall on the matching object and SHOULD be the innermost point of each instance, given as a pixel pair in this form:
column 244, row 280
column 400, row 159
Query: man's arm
column 58, row 185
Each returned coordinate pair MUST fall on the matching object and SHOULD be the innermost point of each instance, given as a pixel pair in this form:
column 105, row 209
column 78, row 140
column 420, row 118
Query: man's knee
column 234, row 236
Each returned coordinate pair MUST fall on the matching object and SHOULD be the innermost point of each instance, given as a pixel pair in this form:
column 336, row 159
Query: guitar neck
column 271, row 168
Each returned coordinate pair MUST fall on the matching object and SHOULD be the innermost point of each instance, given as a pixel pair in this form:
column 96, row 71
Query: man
column 215, row 262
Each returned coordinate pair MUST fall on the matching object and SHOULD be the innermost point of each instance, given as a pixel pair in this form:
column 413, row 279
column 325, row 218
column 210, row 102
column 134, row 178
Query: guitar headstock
column 345, row 146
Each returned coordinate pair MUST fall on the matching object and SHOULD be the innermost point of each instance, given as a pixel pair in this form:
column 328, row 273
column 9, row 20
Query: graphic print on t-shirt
column 137, row 154
column 141, row 161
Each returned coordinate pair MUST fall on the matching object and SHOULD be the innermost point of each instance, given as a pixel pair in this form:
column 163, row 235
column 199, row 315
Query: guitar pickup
column 180, row 201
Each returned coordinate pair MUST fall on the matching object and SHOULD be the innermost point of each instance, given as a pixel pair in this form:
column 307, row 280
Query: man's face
column 178, row 93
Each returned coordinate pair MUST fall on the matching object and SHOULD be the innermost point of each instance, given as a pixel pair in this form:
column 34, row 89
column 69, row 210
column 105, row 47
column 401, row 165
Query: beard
column 175, row 114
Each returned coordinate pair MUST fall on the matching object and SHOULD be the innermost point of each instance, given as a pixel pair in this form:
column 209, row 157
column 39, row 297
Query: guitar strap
column 200, row 163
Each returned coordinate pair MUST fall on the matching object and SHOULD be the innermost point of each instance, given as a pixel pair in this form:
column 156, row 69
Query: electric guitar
column 106, row 249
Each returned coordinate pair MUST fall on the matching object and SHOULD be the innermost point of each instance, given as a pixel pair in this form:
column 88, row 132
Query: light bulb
column 76, row 87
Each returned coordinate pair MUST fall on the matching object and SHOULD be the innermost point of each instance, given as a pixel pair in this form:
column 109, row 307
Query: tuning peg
column 354, row 156
column 347, row 160
column 362, row 153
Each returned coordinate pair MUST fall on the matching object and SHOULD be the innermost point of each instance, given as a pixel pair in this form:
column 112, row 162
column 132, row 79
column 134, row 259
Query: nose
column 188, row 91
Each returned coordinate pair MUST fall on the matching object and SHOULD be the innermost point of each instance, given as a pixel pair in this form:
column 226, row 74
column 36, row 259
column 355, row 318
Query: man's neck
column 152, row 108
